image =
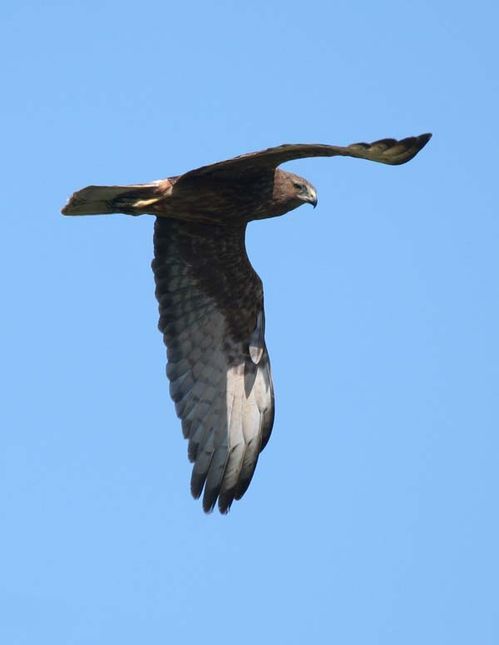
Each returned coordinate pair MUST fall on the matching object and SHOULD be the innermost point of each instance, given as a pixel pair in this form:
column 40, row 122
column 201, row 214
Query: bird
column 210, row 299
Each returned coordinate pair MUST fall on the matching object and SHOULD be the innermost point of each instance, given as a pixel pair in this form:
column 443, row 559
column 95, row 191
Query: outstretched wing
column 212, row 319
column 389, row 151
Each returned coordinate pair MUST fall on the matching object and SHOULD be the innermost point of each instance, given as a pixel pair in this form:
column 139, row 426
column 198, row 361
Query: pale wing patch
column 225, row 441
column 250, row 413
column 257, row 339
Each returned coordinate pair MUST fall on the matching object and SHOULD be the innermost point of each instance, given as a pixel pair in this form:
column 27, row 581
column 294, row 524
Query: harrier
column 211, row 300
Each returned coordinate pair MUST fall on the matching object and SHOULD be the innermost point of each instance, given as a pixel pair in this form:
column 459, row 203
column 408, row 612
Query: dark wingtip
column 65, row 210
column 197, row 484
column 208, row 503
column 420, row 141
column 406, row 149
column 425, row 138
column 225, row 501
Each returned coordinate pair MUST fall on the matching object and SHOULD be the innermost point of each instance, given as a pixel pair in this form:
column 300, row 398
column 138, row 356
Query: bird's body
column 199, row 199
column 211, row 299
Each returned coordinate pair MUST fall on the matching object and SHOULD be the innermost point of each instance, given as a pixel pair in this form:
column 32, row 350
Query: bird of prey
column 211, row 300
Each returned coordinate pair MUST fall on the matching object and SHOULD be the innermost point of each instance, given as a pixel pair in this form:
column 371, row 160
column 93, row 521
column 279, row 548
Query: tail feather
column 132, row 200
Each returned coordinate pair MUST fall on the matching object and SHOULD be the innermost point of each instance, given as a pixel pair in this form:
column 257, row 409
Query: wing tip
column 218, row 497
column 69, row 206
column 400, row 152
column 423, row 139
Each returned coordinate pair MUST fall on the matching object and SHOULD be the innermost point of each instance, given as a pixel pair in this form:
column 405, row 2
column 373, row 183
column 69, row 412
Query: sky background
column 373, row 514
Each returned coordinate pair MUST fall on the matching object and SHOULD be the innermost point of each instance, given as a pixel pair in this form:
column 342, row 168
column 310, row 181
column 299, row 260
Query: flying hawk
column 211, row 299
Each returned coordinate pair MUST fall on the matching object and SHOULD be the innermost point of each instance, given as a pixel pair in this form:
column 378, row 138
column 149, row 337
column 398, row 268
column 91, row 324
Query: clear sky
column 373, row 514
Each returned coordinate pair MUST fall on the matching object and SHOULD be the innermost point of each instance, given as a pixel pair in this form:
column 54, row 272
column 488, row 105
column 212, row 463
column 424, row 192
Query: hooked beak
column 312, row 197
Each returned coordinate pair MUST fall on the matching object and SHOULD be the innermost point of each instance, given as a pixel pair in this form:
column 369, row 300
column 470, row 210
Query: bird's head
column 302, row 189
column 291, row 191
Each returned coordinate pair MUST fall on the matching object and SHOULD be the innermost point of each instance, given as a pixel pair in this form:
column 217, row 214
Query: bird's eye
column 298, row 186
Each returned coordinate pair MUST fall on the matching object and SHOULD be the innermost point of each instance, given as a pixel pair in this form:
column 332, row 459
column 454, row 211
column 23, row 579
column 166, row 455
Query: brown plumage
column 211, row 299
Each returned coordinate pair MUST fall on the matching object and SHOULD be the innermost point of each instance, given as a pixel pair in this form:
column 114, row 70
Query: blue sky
column 372, row 517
